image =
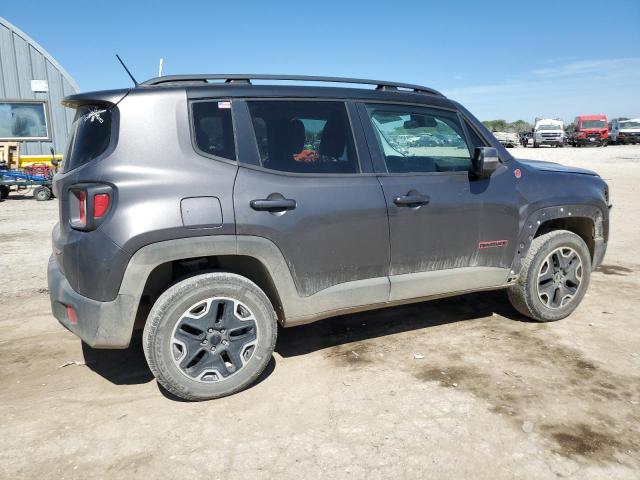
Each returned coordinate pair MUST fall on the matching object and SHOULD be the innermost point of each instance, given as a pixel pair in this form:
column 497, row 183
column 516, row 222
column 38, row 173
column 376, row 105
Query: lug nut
column 213, row 349
column 210, row 330
column 224, row 342
column 205, row 341
column 222, row 331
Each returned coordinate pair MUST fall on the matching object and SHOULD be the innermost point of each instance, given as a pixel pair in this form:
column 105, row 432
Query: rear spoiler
column 104, row 98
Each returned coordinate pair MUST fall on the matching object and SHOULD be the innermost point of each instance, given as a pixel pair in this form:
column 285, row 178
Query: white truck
column 548, row 131
column 625, row 131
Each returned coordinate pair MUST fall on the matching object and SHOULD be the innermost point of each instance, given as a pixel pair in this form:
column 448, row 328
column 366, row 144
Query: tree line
column 522, row 126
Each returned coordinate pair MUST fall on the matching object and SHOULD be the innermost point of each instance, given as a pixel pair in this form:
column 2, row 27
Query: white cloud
column 600, row 85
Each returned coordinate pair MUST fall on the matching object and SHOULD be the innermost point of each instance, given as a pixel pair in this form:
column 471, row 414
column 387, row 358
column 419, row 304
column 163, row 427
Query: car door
column 449, row 231
column 312, row 192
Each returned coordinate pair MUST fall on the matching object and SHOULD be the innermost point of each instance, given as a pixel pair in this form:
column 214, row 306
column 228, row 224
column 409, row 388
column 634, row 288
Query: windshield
column 630, row 124
column 549, row 127
column 593, row 124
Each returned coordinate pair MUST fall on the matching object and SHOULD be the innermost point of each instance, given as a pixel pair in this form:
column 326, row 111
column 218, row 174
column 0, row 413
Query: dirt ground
column 495, row 396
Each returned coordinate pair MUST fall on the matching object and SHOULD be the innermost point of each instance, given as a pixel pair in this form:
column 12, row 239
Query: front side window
column 304, row 137
column 418, row 139
column 23, row 121
column 213, row 128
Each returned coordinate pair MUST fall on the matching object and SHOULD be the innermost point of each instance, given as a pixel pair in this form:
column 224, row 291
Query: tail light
column 88, row 205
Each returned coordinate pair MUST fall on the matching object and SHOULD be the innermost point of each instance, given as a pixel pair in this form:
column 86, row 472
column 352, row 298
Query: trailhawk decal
column 492, row 244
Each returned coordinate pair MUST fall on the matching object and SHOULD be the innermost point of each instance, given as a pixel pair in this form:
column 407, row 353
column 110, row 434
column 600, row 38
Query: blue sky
column 500, row 59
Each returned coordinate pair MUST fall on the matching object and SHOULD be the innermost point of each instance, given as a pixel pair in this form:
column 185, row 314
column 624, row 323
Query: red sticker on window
column 517, row 173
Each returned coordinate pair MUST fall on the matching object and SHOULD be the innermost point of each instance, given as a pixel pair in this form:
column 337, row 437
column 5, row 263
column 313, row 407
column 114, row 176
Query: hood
column 556, row 167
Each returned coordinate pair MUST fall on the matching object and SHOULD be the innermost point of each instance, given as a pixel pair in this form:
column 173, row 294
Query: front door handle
column 273, row 205
column 411, row 199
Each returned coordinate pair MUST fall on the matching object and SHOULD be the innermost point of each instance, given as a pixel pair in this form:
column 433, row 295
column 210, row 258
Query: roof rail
column 246, row 78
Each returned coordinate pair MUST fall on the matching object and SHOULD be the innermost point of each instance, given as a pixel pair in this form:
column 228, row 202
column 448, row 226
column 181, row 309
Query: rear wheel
column 554, row 277
column 4, row 192
column 210, row 336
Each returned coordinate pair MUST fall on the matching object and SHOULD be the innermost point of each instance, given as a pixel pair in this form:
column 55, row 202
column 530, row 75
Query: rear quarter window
column 91, row 136
column 213, row 128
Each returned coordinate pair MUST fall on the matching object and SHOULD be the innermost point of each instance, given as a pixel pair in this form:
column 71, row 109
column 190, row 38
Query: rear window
column 213, row 128
column 90, row 136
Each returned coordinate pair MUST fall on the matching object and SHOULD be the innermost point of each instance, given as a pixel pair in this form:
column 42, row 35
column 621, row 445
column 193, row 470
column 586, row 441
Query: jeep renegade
column 206, row 209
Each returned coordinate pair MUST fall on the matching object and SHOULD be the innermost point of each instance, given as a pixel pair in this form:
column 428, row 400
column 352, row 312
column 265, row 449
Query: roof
column 595, row 116
column 41, row 50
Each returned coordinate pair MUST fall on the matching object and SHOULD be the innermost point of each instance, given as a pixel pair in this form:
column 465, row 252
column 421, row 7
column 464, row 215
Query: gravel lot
column 494, row 397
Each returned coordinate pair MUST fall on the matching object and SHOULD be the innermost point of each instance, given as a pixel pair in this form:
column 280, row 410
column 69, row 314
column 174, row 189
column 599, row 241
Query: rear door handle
column 411, row 199
column 273, row 205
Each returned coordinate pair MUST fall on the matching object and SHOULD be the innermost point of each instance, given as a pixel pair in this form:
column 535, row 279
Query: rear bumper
column 99, row 324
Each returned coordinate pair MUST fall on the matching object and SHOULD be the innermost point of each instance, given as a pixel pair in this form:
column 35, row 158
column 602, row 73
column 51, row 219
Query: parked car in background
column 569, row 137
column 508, row 139
column 548, row 131
column 625, row 131
column 591, row 130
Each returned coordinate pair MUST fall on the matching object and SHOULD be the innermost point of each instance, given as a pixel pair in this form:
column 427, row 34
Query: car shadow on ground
column 361, row 326
column 129, row 366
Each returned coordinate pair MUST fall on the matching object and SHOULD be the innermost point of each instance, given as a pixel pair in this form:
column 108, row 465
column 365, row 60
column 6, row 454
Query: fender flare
column 531, row 225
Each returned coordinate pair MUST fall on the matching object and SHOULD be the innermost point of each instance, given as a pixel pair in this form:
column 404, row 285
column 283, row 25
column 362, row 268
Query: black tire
column 4, row 192
column 525, row 295
column 42, row 193
column 536, row 145
column 162, row 345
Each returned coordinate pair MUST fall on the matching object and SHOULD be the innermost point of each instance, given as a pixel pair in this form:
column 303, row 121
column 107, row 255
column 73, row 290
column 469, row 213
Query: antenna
column 135, row 82
column 160, row 67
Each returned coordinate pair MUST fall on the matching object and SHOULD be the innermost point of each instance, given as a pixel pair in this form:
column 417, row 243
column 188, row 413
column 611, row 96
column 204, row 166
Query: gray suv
column 206, row 209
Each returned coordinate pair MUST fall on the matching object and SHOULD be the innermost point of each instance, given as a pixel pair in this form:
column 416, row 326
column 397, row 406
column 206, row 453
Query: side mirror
column 485, row 161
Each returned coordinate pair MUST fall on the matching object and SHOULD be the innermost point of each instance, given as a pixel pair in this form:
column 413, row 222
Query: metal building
column 32, row 85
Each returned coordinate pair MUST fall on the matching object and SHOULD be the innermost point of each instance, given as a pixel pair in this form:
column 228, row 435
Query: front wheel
column 554, row 277
column 210, row 336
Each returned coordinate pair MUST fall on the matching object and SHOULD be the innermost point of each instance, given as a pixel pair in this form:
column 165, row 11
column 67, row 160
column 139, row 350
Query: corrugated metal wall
column 23, row 60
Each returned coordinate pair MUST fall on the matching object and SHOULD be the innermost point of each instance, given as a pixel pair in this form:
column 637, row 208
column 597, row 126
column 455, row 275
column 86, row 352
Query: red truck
column 591, row 130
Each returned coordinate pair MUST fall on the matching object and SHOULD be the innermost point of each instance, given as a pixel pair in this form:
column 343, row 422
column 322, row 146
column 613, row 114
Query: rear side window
column 213, row 128
column 90, row 136
column 304, row 137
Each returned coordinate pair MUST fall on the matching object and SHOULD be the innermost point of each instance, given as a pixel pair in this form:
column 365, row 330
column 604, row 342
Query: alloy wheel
column 214, row 339
column 559, row 277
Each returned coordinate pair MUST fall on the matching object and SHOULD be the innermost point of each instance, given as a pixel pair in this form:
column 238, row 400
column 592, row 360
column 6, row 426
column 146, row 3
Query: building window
column 23, row 120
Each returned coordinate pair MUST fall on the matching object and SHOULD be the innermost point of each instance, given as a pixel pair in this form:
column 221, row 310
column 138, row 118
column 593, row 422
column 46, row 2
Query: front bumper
column 549, row 141
column 99, row 324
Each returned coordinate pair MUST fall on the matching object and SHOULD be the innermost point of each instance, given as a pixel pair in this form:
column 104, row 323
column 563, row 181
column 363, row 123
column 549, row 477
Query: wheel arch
column 586, row 221
column 166, row 274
